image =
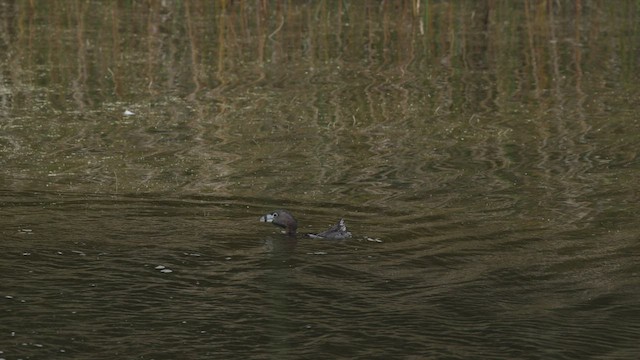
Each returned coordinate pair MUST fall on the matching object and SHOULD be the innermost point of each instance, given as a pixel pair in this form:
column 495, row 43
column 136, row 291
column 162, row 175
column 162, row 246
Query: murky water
column 485, row 157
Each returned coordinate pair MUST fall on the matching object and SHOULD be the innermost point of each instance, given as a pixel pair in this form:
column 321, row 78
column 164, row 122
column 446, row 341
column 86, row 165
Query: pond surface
column 484, row 155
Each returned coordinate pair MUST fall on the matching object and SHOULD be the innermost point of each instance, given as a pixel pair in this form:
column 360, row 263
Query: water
column 484, row 156
column 84, row 276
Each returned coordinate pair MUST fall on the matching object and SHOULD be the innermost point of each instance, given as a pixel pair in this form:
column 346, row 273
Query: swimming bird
column 284, row 219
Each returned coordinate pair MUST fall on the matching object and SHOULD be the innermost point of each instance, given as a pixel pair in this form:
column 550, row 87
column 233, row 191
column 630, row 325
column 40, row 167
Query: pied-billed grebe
column 285, row 220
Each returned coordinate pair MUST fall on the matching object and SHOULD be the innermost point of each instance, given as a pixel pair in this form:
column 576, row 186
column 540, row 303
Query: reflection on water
column 491, row 148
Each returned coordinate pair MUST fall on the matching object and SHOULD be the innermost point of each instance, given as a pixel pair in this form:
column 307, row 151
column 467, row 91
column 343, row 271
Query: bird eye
column 274, row 214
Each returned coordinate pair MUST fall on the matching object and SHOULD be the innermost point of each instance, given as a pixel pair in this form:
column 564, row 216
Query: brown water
column 485, row 156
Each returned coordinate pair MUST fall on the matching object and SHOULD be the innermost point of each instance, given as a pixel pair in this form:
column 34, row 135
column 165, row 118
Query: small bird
column 285, row 220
